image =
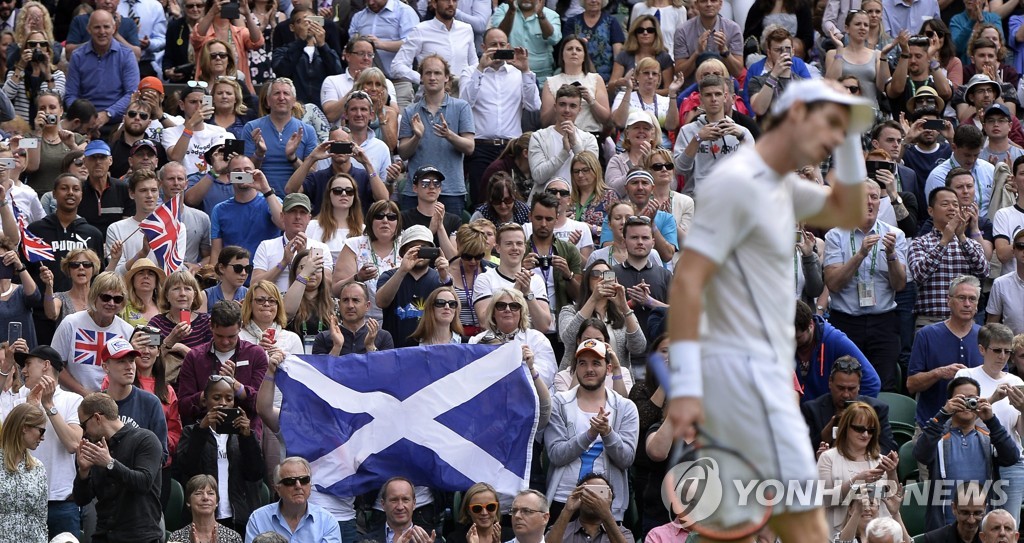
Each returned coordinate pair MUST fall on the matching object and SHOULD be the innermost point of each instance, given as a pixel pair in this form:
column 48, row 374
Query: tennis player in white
column 735, row 376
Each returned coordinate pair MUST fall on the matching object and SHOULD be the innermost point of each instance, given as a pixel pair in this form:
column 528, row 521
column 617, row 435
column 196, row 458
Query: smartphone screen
column 934, row 124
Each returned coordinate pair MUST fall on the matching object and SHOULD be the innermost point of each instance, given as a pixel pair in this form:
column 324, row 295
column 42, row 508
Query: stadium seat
column 907, row 469
column 912, row 511
column 902, row 410
column 175, row 505
column 264, row 494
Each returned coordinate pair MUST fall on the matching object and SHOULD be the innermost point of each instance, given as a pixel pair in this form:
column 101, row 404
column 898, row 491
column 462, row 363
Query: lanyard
column 643, row 106
column 580, row 209
column 373, row 254
column 469, row 289
column 550, row 249
column 874, row 256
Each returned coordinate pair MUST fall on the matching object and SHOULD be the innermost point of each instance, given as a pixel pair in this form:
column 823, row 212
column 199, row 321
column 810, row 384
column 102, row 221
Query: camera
column 50, row 119
column 504, row 54
column 38, row 56
column 972, row 403
column 544, row 262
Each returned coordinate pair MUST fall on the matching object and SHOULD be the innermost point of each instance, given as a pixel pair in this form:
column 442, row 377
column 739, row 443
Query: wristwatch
column 531, row 297
column 110, row 465
column 52, row 411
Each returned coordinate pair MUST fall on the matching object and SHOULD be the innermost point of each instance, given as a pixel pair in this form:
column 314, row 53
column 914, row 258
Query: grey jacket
column 566, row 443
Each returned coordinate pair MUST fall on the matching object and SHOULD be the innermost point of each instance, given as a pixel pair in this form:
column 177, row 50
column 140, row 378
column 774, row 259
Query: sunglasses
column 646, row 30
column 78, row 162
column 218, row 378
column 854, row 89
column 21, row 152
column 920, row 40
column 89, row 265
column 597, row 273
column 661, row 166
column 42, row 432
column 931, row 33
column 292, row 481
column 561, row 193
column 139, row 114
column 34, row 44
column 195, row 6
column 507, row 306
column 1004, row 352
column 343, row 191
column 430, row 183
column 465, row 256
column 1019, row 246
column 199, row 84
column 215, row 56
column 389, row 216
column 239, row 268
column 441, row 304
column 638, row 219
column 862, row 429
column 478, row 508
column 578, row 171
column 87, row 419
column 507, row 201
column 264, row 301
column 107, row 298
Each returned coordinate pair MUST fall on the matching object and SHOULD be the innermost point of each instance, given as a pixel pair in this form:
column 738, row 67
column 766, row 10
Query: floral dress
column 260, row 58
column 600, row 39
column 23, row 496
column 365, row 255
column 593, row 210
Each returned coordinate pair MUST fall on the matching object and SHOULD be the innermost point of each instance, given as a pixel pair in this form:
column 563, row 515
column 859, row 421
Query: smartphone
column 799, row 235
column 207, row 100
column 604, row 492
column 608, row 275
column 13, row 332
column 8, row 163
column 577, row 84
column 230, row 11
column 430, row 253
column 506, row 54
column 186, row 316
column 29, row 143
column 271, row 334
column 6, row 272
column 227, row 426
column 154, row 340
column 874, row 165
column 316, row 19
column 240, row 177
column 236, row 147
column 342, row 147
column 316, row 252
column 934, row 124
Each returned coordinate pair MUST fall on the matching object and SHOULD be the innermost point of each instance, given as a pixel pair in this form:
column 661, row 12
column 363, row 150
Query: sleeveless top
column 865, row 73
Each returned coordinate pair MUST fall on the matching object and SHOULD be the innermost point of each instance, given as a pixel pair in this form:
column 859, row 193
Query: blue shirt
column 317, row 526
column 874, row 268
column 107, row 81
column 275, row 165
column 434, row 150
column 897, row 15
column 219, row 192
column 393, row 22
column 79, row 30
column 214, row 294
column 245, row 225
column 935, row 346
column 664, row 222
column 983, row 172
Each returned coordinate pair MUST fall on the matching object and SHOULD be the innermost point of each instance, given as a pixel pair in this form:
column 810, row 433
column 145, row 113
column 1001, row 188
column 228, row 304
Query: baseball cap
column 217, row 144
column 296, row 199
column 151, row 82
column 65, row 537
column 862, row 111
column 637, row 116
column 97, row 147
column 140, row 144
column 43, row 351
column 926, row 91
column 416, row 232
column 998, row 109
column 594, row 346
column 118, row 348
column 425, row 171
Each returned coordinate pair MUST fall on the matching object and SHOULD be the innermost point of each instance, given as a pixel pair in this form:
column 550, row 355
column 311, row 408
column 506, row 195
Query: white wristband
column 849, row 161
column 687, row 379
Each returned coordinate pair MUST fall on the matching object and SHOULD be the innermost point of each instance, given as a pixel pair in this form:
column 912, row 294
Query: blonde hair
column 632, row 45
column 471, row 239
column 21, row 31
column 89, row 254
column 180, row 277
column 271, row 289
column 12, row 441
column 240, row 107
column 106, row 282
column 472, row 492
column 524, row 314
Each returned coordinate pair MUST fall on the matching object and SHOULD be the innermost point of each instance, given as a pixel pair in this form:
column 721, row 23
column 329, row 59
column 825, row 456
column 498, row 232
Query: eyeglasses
column 239, row 268
column 441, row 304
column 34, row 44
column 87, row 419
column 133, row 114
column 965, row 299
column 363, row 54
column 436, row 183
column 975, row 514
column 997, row 120
column 478, row 508
column 931, row 33
column 862, row 429
column 523, row 511
column 198, row 84
column 854, row 89
column 561, row 193
column 465, row 256
column 507, row 306
column 1001, row 352
column 646, row 30
column 577, row 171
column 292, row 481
column 389, row 216
column 78, row 162
column 343, row 191
column 107, row 298
column 215, row 56
column 638, row 219
column 662, row 166
column 89, row 265
column 264, row 301
column 507, row 201
column 218, row 378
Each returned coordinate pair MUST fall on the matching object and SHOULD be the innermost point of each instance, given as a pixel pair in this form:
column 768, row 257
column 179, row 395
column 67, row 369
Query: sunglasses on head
column 478, row 508
column 239, row 268
column 920, row 40
column 661, row 166
column 638, row 219
column 140, row 114
column 861, row 429
column 507, row 306
column 216, row 378
column 343, row 191
column 440, row 304
column 198, row 84
column 292, row 481
column 561, row 193
column 78, row 161
column 465, row 256
column 75, row 265
column 389, row 216
column 107, row 298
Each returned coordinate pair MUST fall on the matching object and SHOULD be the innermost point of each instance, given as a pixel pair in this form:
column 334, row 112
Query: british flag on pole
column 32, row 246
column 162, row 228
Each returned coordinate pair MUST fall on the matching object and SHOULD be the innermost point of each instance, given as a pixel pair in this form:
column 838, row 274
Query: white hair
column 885, row 529
column 984, row 520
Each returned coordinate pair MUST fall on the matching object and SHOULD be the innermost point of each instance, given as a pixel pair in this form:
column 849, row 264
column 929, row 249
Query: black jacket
column 308, row 75
column 197, row 455
column 946, row 534
column 78, row 235
column 818, row 411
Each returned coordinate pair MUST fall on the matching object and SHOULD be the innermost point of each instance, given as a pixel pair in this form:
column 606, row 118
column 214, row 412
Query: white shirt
column 200, row 142
column 156, row 128
column 1007, row 299
column 393, row 22
column 27, row 200
column 315, row 232
column 548, row 156
column 749, row 306
column 78, row 340
column 1004, row 225
column 60, row 464
column 543, row 355
column 492, row 280
column 497, row 110
column 336, row 87
column 432, row 36
column 271, row 251
column 125, row 229
column 152, row 23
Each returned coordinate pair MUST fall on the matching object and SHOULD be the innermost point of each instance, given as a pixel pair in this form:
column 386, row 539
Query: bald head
column 998, row 527
column 101, row 29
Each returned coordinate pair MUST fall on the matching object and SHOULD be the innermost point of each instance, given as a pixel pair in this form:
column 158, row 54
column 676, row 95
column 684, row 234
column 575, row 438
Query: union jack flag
column 32, row 246
column 162, row 228
column 89, row 346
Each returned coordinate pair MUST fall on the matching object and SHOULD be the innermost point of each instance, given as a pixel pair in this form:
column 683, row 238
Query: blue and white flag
column 445, row 416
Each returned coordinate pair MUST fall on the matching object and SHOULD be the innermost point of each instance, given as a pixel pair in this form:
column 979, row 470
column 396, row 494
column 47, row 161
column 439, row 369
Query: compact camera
column 544, row 262
column 972, row 403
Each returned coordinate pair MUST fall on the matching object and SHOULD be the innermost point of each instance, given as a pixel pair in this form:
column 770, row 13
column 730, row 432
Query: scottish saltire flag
column 445, row 416
column 162, row 228
column 32, row 246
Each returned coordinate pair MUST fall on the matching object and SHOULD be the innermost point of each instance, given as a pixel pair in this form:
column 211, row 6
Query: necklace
column 195, row 535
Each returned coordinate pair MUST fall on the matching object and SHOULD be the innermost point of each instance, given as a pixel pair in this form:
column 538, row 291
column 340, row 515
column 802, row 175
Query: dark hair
column 1016, row 164
column 592, row 476
column 593, row 322
column 712, row 80
column 66, row 175
column 922, row 113
column 225, row 313
column 159, row 370
column 876, row 131
column 651, row 377
column 382, row 206
column 229, row 253
column 569, row 91
column 65, row 163
column 588, row 64
column 81, row 109
column 804, row 316
column 613, row 313
column 934, row 194
column 947, row 51
column 957, row 172
column 960, row 381
column 544, row 199
column 968, row 136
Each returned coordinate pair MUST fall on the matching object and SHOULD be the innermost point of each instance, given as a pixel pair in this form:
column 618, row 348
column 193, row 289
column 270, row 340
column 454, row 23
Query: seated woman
column 577, row 68
column 464, row 270
column 244, row 35
column 308, row 302
column 604, row 299
column 16, row 301
column 659, row 163
column 340, row 217
column 372, row 81
column 223, row 433
column 264, row 319
column 590, row 197
column 515, row 161
column 641, row 94
column 504, row 203
column 202, row 498
column 480, row 513
column 35, row 71
column 233, row 268
column 144, row 281
column 181, row 324
column 618, row 379
column 439, row 324
column 615, row 253
column 507, row 317
column 643, row 41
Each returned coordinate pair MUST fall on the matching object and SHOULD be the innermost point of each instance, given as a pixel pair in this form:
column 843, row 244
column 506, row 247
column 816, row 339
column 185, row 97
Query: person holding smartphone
column 307, row 59
column 186, row 143
column 16, row 319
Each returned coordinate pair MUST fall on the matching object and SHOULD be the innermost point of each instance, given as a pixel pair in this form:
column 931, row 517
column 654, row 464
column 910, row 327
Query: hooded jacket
column 829, row 344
